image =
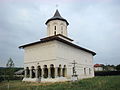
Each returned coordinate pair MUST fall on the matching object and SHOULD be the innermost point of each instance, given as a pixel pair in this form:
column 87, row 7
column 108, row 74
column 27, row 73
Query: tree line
column 7, row 73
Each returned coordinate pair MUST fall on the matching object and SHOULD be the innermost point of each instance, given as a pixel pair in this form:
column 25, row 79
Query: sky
column 93, row 24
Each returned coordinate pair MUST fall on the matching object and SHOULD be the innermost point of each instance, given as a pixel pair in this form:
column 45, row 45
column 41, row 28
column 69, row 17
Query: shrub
column 106, row 73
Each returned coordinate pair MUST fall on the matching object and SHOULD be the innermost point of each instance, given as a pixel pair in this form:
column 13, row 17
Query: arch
column 39, row 71
column 55, row 27
column 59, row 71
column 45, row 71
column 27, row 72
column 52, row 71
column 64, row 71
column 33, row 71
column 84, row 71
column 54, row 32
column 89, row 70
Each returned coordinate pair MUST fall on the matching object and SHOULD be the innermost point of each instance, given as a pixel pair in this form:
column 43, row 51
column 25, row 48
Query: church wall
column 43, row 53
column 66, row 54
column 58, row 53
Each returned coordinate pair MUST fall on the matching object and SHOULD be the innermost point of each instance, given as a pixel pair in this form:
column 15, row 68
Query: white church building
column 52, row 58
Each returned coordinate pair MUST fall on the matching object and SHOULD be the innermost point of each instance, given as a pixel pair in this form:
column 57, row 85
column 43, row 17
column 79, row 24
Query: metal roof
column 57, row 16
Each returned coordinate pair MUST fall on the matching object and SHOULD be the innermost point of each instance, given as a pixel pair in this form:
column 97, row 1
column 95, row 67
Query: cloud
column 94, row 24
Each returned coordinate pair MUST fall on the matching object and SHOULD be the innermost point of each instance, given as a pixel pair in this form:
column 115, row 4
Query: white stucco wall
column 61, row 27
column 66, row 54
column 55, row 52
column 43, row 54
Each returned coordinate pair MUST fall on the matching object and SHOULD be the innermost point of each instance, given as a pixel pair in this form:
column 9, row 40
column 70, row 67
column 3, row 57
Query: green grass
column 96, row 83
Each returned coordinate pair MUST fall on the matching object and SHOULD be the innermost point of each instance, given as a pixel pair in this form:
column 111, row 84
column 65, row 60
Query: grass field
column 96, row 83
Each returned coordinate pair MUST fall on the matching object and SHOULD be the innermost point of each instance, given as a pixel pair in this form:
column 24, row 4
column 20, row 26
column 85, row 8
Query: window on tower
column 54, row 32
column 55, row 27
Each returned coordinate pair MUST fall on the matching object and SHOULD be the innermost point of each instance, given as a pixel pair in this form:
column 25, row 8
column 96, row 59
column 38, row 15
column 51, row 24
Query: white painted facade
column 55, row 27
column 57, row 57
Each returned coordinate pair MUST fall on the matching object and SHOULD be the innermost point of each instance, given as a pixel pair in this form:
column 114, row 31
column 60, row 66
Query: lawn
column 96, row 83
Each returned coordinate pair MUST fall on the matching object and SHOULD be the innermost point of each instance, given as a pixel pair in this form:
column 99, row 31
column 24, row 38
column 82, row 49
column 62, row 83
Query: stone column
column 42, row 72
column 56, row 72
column 65, row 72
column 49, row 73
column 36, row 73
column 25, row 73
column 30, row 73
column 61, row 71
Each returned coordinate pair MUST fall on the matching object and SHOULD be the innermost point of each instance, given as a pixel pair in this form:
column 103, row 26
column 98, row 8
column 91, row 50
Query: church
column 56, row 58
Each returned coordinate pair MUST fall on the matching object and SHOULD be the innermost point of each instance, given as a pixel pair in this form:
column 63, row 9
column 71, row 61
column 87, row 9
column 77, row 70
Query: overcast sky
column 94, row 24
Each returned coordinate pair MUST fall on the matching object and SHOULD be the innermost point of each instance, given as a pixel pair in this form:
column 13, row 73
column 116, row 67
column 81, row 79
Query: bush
column 1, row 79
column 106, row 73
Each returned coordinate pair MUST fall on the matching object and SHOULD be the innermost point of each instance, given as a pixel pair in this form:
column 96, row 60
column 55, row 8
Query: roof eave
column 56, row 19
column 61, row 40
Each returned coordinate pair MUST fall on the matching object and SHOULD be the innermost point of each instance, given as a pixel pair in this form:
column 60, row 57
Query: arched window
column 59, row 70
column 27, row 72
column 39, row 72
column 64, row 71
column 54, row 32
column 89, row 71
column 45, row 71
column 33, row 72
column 55, row 28
column 85, row 71
column 52, row 71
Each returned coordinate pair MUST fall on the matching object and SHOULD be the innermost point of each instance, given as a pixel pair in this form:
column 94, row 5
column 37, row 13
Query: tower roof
column 57, row 16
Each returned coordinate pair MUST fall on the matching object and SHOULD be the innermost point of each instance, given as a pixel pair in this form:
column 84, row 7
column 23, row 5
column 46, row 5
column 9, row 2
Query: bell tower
column 57, row 25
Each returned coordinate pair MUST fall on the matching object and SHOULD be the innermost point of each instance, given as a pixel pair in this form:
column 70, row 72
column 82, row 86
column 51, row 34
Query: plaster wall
column 61, row 28
column 66, row 54
column 55, row 52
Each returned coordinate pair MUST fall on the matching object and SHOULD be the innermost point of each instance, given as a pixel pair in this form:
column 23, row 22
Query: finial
column 57, row 6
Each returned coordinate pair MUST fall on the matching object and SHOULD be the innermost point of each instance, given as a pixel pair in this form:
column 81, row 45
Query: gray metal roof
column 55, row 37
column 57, row 16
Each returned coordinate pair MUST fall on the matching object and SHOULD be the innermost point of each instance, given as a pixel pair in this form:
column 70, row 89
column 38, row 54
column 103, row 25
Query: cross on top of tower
column 57, row 6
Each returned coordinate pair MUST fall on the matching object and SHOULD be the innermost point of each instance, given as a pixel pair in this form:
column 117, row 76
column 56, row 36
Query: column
column 30, row 73
column 25, row 73
column 42, row 72
column 61, row 71
column 65, row 72
column 36, row 73
column 49, row 73
column 56, row 72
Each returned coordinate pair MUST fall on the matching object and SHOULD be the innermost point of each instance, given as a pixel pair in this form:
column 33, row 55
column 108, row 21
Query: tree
column 10, row 69
column 10, row 63
column 118, row 67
